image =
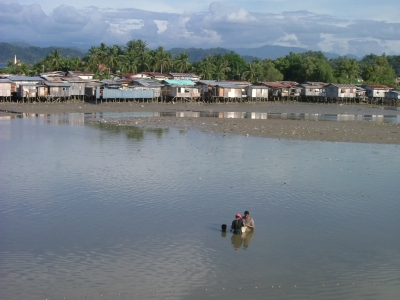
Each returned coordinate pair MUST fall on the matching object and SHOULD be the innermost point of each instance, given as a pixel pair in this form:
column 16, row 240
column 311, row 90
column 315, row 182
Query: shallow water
column 379, row 118
column 109, row 212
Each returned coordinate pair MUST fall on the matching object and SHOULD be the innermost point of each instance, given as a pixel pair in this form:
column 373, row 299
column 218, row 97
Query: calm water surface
column 95, row 211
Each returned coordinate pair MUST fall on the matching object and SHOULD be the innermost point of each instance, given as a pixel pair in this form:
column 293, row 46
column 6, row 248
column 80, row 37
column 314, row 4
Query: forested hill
column 32, row 54
column 275, row 51
column 197, row 54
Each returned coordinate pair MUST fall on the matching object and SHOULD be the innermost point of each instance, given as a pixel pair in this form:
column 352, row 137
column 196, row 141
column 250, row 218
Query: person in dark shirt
column 237, row 224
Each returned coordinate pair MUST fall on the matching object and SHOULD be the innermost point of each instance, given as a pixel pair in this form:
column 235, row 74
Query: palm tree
column 92, row 59
column 181, row 62
column 130, row 46
column 144, row 58
column 152, row 60
column 102, row 53
column 91, row 64
column 113, row 58
column 252, row 72
column 54, row 60
column 139, row 48
column 222, row 67
column 162, row 59
column 205, row 68
column 119, row 49
column 352, row 70
column 129, row 63
column 76, row 64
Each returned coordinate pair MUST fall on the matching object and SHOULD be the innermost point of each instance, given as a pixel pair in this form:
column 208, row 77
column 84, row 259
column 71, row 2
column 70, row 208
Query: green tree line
column 136, row 57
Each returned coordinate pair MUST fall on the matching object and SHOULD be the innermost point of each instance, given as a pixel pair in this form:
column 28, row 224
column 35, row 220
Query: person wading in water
column 237, row 224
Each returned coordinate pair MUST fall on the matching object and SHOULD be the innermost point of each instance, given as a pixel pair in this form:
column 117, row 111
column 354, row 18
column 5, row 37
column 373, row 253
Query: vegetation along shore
column 105, row 61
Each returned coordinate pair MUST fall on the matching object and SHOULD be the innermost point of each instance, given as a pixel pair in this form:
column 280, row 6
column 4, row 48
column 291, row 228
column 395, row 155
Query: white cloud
column 214, row 24
column 288, row 40
column 161, row 25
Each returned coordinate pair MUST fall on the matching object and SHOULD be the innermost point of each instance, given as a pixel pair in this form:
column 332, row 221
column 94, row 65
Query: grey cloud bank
column 220, row 26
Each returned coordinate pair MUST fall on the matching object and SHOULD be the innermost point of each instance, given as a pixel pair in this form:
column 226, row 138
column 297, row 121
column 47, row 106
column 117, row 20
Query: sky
column 357, row 27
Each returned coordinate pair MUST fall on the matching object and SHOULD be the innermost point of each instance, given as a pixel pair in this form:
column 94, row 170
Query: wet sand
column 332, row 131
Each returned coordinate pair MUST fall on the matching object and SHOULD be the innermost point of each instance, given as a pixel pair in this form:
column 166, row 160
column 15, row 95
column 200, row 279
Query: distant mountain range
column 274, row 52
column 31, row 54
column 249, row 54
column 197, row 54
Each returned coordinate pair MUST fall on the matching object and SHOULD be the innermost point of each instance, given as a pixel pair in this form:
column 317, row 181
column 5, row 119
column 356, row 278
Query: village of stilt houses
column 184, row 87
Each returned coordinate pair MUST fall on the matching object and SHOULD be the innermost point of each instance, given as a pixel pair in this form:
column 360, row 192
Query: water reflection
column 240, row 240
column 395, row 119
column 71, row 119
column 78, row 118
column 131, row 132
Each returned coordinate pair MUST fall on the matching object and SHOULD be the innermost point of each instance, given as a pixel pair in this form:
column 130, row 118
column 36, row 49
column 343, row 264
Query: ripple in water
column 87, row 211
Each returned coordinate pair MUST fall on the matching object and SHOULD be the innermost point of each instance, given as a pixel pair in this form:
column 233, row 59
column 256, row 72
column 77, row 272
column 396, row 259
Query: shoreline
column 332, row 131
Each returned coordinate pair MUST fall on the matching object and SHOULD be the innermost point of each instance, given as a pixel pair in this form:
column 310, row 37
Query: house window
column 343, row 90
column 187, row 91
column 65, row 89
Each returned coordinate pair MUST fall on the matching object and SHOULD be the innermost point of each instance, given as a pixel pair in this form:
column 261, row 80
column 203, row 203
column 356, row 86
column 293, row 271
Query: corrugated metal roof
column 238, row 82
column 66, row 84
column 344, row 85
column 312, row 86
column 155, row 74
column 377, row 86
column 316, row 83
column 109, row 81
column 147, row 82
column 52, row 73
column 208, row 82
column 179, row 82
column 228, row 85
column 181, row 86
column 53, row 79
column 25, row 78
column 125, row 80
column 289, row 83
column 220, row 83
column 258, row 87
column 74, row 79
column 5, row 80
column 274, row 84
column 184, row 74
column 77, row 73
